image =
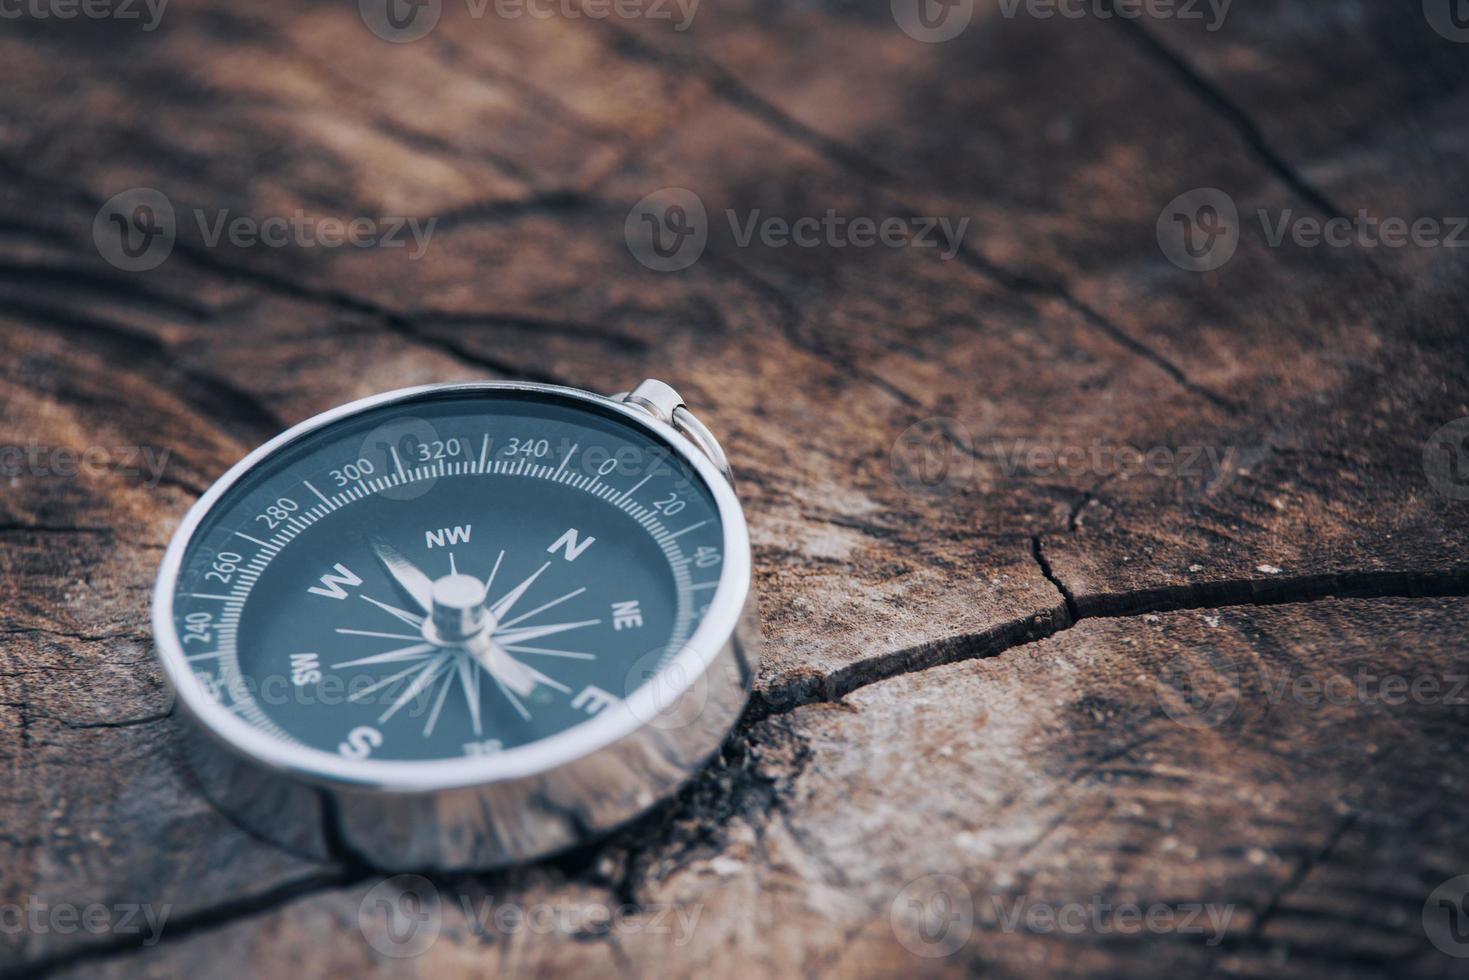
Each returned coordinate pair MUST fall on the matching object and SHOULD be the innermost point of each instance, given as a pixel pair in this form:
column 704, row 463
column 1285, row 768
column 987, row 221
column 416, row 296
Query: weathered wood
column 1309, row 805
column 1288, row 396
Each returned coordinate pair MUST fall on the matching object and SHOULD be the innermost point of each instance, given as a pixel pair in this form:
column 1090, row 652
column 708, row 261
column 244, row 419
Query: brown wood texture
column 1057, row 685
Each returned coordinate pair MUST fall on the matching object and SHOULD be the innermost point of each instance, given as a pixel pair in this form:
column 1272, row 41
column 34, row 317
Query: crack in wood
column 727, row 87
column 395, row 321
column 1250, row 132
column 183, row 926
column 1023, row 631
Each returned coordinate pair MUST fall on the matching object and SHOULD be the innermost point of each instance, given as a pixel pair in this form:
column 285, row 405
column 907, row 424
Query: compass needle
column 405, row 573
column 374, row 688
column 416, row 652
column 490, row 582
column 548, row 552
column 433, row 716
column 395, row 612
column 513, row 596
column 423, row 680
column 519, row 706
column 469, row 680
column 572, row 654
column 500, row 665
column 544, row 607
column 548, row 681
column 524, row 633
column 384, row 636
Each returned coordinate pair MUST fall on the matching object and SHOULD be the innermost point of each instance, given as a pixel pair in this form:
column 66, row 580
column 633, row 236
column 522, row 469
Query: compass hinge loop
column 665, row 404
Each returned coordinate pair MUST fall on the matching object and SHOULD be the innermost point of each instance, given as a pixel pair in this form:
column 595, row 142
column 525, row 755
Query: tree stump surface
column 1082, row 576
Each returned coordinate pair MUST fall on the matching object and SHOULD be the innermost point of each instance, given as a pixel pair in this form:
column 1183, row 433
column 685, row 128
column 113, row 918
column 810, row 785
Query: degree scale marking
column 227, row 627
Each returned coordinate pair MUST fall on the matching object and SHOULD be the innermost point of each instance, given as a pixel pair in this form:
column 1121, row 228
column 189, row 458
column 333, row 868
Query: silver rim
column 586, row 738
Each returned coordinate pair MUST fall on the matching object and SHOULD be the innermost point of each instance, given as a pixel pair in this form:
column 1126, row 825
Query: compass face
column 453, row 573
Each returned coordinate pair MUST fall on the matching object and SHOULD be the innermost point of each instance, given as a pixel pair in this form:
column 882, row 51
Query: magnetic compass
column 460, row 625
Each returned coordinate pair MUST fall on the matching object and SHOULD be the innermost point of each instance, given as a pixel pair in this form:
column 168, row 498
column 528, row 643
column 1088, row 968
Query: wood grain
column 968, row 675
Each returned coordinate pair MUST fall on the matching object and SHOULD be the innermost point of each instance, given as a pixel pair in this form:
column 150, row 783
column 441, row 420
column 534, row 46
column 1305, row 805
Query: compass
column 460, row 625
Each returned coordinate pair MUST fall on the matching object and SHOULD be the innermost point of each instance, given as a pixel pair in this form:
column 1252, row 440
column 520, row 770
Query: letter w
column 331, row 585
column 449, row 535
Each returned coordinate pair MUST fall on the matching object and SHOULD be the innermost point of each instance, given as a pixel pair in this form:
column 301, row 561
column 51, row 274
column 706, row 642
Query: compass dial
column 454, row 573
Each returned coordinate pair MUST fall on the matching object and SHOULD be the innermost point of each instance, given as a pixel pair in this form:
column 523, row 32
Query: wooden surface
column 1054, row 685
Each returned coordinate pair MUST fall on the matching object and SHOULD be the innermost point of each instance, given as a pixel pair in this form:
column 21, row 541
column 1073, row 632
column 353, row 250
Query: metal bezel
column 326, row 769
